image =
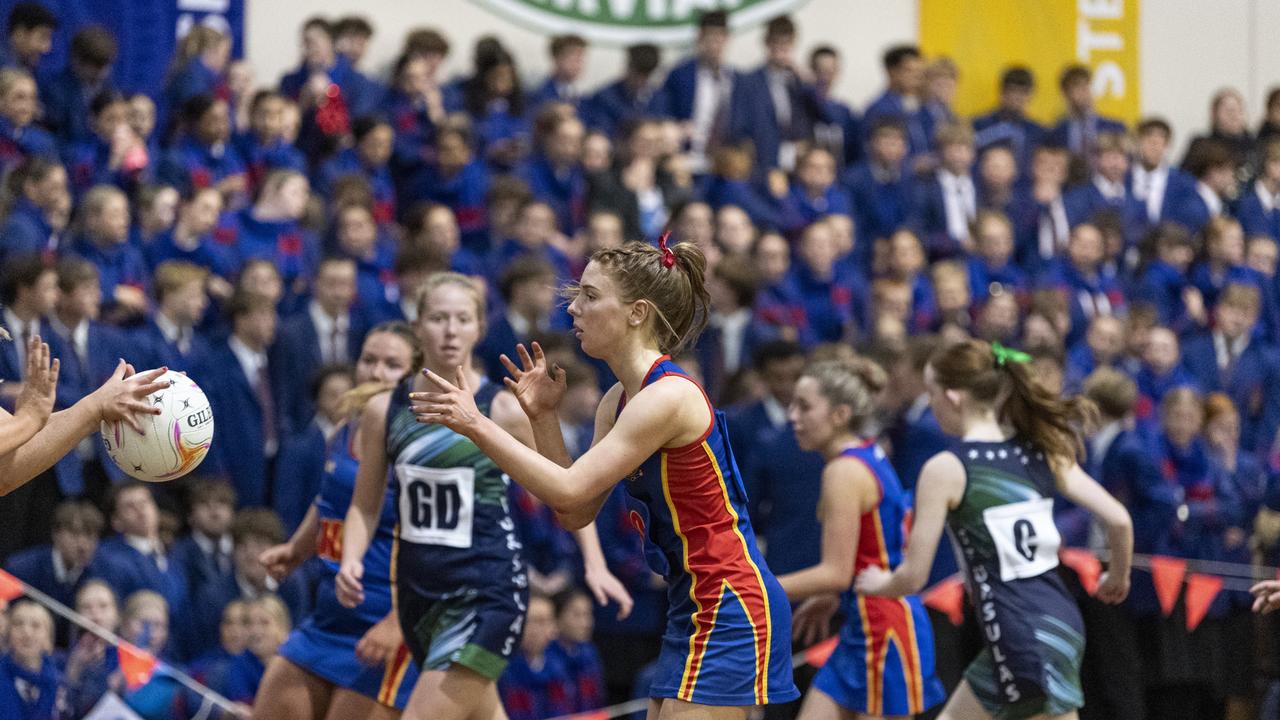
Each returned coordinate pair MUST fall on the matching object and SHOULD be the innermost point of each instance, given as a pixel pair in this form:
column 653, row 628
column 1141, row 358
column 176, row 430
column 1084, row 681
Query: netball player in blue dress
column 994, row 491
column 461, row 587
column 728, row 640
column 883, row 665
column 340, row 662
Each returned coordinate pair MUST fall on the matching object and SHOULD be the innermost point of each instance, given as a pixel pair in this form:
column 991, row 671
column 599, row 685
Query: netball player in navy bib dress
column 883, row 665
column 994, row 492
column 319, row 672
column 727, row 644
column 460, row 581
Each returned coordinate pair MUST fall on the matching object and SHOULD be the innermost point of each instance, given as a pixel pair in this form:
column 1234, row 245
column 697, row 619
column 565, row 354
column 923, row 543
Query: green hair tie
column 1006, row 355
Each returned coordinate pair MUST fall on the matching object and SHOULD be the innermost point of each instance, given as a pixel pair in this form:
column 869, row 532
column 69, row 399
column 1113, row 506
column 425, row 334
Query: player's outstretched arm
column 941, row 486
column 1076, row 486
column 652, row 419
column 34, row 403
column 366, row 500
column 120, row 399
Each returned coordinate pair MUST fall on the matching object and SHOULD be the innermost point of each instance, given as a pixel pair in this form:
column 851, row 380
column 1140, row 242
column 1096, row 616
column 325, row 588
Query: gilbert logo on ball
column 175, row 441
column 623, row 22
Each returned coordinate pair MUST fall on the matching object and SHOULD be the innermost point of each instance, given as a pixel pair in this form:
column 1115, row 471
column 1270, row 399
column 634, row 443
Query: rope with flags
column 137, row 666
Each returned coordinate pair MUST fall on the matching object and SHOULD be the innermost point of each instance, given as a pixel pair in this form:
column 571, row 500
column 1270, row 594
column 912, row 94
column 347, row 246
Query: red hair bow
column 668, row 256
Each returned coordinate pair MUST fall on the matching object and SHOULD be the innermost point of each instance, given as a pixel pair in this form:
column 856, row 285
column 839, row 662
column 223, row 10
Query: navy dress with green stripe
column 1032, row 630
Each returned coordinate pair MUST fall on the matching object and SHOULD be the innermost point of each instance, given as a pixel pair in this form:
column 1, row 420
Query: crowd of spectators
column 249, row 231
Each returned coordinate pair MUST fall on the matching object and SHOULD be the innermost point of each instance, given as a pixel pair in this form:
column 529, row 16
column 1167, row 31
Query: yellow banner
column 986, row 36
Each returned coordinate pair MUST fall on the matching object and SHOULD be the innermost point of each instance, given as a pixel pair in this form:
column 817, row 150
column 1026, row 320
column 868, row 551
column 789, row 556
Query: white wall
column 860, row 28
column 1188, row 48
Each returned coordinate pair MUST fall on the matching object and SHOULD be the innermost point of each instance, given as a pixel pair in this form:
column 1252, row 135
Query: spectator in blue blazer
column 1152, row 181
column 880, row 187
column 991, row 266
column 783, row 484
column 327, row 331
column 729, row 183
column 253, row 531
column 1223, row 263
column 728, row 343
column 369, row 159
column 1231, row 359
column 770, row 106
column 357, row 238
column 192, row 240
column 1008, row 124
column 61, row 569
column 1102, row 346
column 271, row 230
column 30, row 681
column 458, row 180
column 1106, row 190
column 265, row 146
column 19, row 136
column 705, row 112
column 91, row 666
column 204, row 555
column 815, row 194
column 1246, row 475
column 1214, row 169
column 29, row 36
column 203, row 155
column 554, row 172
column 198, row 67
column 66, row 95
column 536, row 236
column 627, row 99
column 1160, row 371
column 946, row 203
column 1080, row 127
column 171, row 337
column 1165, row 281
column 901, row 101
column 91, row 351
column 37, row 190
column 1259, row 207
column 568, row 60
column 302, row 454
column 779, row 307
column 997, row 184
column 329, row 91
column 828, row 291
column 135, row 558
column 837, row 127
column 351, row 37
column 1079, row 277
column 104, row 241
column 778, row 364
column 495, row 102
column 417, row 102
column 238, row 381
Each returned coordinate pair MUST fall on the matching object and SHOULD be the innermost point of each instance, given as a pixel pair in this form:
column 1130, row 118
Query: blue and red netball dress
column 884, row 662
column 728, row 638
column 325, row 642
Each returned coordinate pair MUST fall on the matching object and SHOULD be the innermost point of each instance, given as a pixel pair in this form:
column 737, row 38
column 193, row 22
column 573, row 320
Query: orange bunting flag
column 1201, row 590
column 818, row 655
column 1167, row 574
column 947, row 597
column 1086, row 565
column 136, row 665
column 10, row 587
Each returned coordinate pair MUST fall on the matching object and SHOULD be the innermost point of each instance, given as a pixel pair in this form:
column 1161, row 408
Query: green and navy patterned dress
column 1032, row 631
column 461, row 587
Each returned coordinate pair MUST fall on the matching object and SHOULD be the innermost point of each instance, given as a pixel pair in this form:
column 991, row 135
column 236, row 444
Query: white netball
column 175, row 441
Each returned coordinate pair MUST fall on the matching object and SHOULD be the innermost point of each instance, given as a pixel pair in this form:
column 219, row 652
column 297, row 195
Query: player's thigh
column 453, row 694
column 348, row 704
column 289, row 691
column 680, row 710
column 964, row 705
column 818, row 705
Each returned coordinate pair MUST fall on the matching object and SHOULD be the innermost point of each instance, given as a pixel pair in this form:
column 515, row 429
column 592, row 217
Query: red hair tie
column 668, row 256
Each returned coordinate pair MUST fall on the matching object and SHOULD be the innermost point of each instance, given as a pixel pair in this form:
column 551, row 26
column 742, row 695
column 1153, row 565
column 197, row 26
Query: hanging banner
column 623, row 22
column 984, row 37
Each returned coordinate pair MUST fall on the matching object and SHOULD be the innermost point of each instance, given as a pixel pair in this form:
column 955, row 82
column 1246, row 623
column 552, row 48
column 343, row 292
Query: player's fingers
column 438, row 381
column 510, row 366
column 537, row 352
column 54, row 370
column 132, row 422
column 557, row 374
column 625, row 604
column 524, row 357
column 463, row 383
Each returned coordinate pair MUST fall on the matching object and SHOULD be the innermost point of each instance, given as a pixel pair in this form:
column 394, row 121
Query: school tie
column 335, row 347
column 262, row 389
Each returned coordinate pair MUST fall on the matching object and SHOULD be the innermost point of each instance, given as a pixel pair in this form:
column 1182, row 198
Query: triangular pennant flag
column 10, row 587
column 1086, row 565
column 136, row 665
column 1167, row 574
column 1201, row 590
column 947, row 597
column 818, row 655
